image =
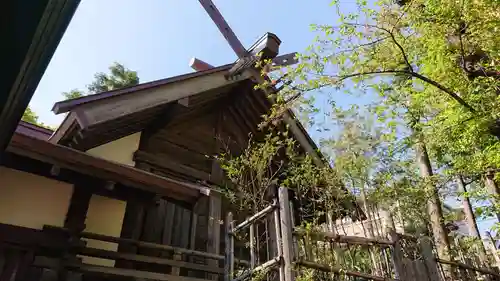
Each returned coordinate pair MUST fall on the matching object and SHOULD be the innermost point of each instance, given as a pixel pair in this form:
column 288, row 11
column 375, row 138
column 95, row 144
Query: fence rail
column 174, row 258
column 403, row 257
column 143, row 244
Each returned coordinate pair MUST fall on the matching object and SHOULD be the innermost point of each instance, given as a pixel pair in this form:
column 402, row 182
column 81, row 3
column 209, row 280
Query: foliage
column 30, row 116
column 430, row 68
column 278, row 160
column 73, row 94
column 429, row 72
column 119, row 77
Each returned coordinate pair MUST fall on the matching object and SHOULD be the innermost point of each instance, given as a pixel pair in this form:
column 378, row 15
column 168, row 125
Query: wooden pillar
column 75, row 223
column 78, row 207
column 279, row 243
column 396, row 255
column 214, row 218
column 429, row 259
column 132, row 227
column 271, row 230
column 286, row 233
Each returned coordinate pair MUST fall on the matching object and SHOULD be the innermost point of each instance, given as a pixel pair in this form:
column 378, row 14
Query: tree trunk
column 388, row 219
column 433, row 204
column 471, row 222
column 369, row 217
column 492, row 187
column 468, row 211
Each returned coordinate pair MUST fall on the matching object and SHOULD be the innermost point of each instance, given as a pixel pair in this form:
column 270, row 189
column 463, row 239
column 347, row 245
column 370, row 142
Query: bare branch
column 360, row 46
column 391, row 34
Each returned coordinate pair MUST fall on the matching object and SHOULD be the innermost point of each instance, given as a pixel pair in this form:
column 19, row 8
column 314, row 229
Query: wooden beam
column 105, row 254
column 354, row 240
column 159, row 122
column 176, row 150
column 141, row 244
column 165, row 162
column 111, row 271
column 29, row 237
column 84, row 163
column 257, row 216
column 31, row 32
column 339, row 270
column 112, row 108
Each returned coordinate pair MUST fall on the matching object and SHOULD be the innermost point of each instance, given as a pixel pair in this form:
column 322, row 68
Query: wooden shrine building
column 124, row 188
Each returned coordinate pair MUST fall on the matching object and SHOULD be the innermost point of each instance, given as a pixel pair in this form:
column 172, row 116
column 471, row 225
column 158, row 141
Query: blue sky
column 157, row 38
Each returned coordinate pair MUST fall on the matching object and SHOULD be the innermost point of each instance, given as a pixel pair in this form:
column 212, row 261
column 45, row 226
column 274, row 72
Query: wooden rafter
column 250, row 101
column 242, row 125
column 247, row 113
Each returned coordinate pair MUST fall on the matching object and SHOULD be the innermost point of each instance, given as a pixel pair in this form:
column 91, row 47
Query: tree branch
column 454, row 95
column 450, row 92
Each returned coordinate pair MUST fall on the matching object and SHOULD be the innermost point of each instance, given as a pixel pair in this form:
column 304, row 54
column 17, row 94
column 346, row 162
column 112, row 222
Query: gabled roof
column 110, row 115
column 67, row 105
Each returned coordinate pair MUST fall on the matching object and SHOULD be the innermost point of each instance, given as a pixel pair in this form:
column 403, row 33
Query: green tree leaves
column 73, row 94
column 30, row 116
column 119, row 77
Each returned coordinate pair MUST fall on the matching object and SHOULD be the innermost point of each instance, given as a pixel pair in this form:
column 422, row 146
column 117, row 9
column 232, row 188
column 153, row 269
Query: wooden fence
column 317, row 255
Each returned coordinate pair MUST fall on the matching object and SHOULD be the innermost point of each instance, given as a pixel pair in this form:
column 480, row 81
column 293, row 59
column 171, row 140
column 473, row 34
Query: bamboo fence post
column 229, row 260
column 252, row 246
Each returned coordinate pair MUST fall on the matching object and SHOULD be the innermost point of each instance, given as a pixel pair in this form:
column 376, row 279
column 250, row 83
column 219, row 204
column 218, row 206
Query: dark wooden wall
column 181, row 144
